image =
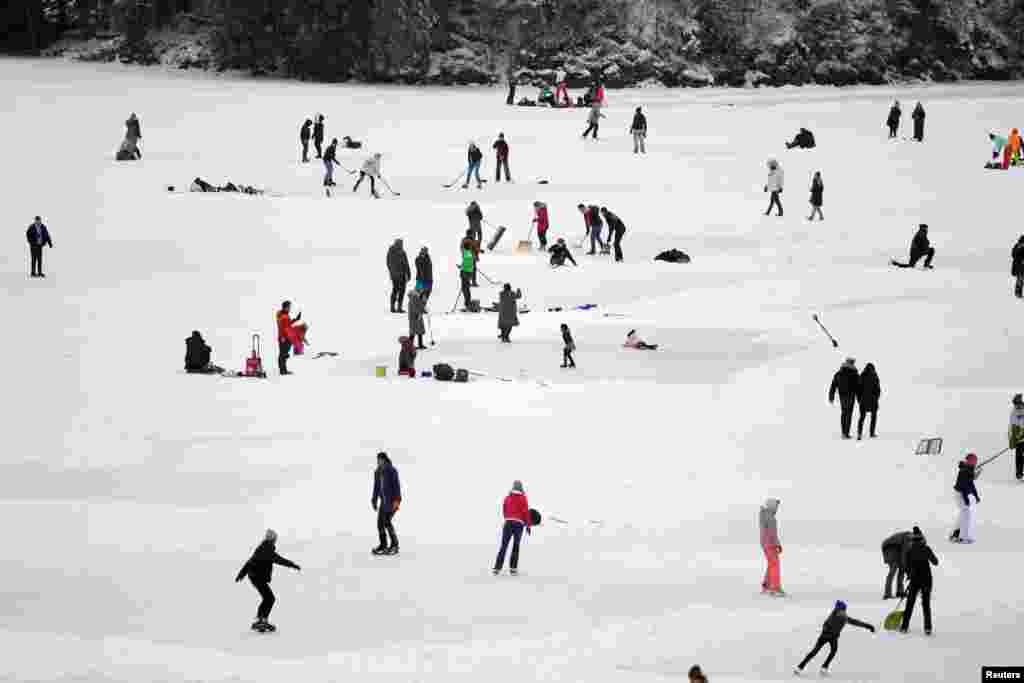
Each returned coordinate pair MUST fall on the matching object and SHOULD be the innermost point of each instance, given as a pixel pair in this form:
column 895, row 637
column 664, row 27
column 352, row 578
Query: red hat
column 972, row 459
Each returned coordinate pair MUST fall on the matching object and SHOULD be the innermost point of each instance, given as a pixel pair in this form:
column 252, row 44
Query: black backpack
column 443, row 372
column 462, row 375
column 673, row 256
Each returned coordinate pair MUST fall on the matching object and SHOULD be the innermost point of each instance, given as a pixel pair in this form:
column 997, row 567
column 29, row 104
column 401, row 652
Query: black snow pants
column 397, row 293
column 1019, row 454
column 618, row 245
column 926, row 605
column 895, row 570
column 592, row 128
column 833, row 648
column 860, row 422
column 305, row 150
column 928, row 256
column 1018, row 286
column 318, row 142
column 267, row 604
column 283, row 347
column 567, row 361
column 467, row 279
column 385, row 528
column 36, row 254
column 512, row 531
column 774, row 202
column 846, row 414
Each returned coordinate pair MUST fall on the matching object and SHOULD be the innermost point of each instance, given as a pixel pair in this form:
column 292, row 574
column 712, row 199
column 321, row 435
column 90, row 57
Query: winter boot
column 824, row 672
column 393, row 550
column 379, row 550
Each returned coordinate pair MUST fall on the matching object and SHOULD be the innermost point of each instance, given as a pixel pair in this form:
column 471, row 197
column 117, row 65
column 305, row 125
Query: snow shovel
column 929, row 447
column 894, row 620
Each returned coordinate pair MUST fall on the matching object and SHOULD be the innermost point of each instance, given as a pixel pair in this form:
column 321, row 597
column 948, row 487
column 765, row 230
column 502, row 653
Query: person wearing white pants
column 965, row 531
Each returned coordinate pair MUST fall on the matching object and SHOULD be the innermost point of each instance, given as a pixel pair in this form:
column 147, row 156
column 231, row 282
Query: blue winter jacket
column 386, row 487
column 38, row 235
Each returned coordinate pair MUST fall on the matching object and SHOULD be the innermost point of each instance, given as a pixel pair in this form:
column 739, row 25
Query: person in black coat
column 398, row 269
column 804, row 139
column 560, row 253
column 846, row 382
column 387, row 496
column 830, row 632
column 38, row 237
column 639, row 130
column 424, row 274
column 318, row 135
column 616, row 229
column 570, row 346
column 817, row 196
column 920, row 559
column 197, row 355
column 920, row 247
column 893, row 121
column 967, row 472
column 1017, row 267
column 259, row 569
column 304, row 135
column 918, row 116
column 894, row 554
column 869, row 390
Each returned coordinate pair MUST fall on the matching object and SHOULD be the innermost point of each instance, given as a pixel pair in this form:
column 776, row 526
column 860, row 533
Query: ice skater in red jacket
column 540, row 217
column 516, row 510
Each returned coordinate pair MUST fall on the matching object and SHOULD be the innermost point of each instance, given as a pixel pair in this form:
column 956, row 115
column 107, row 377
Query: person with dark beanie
column 869, row 390
column 963, row 489
column 830, row 632
column 920, row 559
column 920, row 247
column 387, row 496
column 846, row 382
column 259, row 569
column 38, row 237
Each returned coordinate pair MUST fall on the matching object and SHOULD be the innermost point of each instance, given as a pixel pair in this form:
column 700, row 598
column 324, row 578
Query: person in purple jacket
column 387, row 491
column 38, row 237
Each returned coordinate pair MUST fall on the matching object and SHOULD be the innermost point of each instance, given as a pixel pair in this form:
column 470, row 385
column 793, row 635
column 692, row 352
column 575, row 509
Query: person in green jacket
column 467, row 270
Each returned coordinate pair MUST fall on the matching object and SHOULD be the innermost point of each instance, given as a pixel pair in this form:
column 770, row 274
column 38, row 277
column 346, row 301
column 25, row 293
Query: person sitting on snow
column 197, row 356
column 633, row 341
column 200, row 185
column 351, row 144
column 803, row 140
column 559, row 253
column 407, row 357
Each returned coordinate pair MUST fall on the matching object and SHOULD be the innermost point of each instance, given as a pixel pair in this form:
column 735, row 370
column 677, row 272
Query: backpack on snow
column 673, row 256
column 462, row 375
column 444, row 372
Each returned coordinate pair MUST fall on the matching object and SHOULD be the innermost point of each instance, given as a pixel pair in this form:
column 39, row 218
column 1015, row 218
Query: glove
column 396, row 504
column 373, row 503
column 977, row 499
column 527, row 531
column 765, row 188
column 872, row 628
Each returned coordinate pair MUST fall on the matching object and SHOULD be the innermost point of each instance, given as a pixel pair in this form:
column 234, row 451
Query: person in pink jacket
column 771, row 546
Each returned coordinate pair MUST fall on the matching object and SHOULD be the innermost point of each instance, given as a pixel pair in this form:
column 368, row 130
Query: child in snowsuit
column 830, row 631
column 963, row 490
column 1016, row 434
column 570, row 346
column 516, row 511
column 772, row 547
column 540, row 217
column 817, row 190
column 259, row 569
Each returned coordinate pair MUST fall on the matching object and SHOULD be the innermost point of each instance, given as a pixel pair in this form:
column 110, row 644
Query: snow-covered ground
column 132, row 493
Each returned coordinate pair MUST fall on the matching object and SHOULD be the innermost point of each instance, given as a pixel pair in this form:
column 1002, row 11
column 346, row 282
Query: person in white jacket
column 774, row 185
column 371, row 170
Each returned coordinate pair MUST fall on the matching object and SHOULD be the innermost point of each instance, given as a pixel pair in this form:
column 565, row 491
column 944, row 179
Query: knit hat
column 517, row 486
column 972, row 459
column 271, row 535
column 850, row 362
column 1018, row 399
column 917, row 531
column 840, row 605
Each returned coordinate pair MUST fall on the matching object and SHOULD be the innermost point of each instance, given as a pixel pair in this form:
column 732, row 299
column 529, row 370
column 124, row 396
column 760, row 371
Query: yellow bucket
column 382, row 371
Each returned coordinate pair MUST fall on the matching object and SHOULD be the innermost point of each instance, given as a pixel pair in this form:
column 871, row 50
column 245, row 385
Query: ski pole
column 835, row 344
column 486, row 278
column 455, row 306
column 988, row 460
column 457, row 179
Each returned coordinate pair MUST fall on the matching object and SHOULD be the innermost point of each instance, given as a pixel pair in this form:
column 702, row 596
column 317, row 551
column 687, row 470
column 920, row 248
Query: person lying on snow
column 559, row 253
column 200, row 185
column 633, row 341
column 197, row 356
column 351, row 144
column 407, row 357
column 803, row 140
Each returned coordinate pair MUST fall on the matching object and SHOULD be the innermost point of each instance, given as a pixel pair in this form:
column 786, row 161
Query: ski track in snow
column 133, row 492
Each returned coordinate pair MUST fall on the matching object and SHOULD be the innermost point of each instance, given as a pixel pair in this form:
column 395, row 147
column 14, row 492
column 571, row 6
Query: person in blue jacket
column 387, row 496
column 38, row 237
column 259, row 569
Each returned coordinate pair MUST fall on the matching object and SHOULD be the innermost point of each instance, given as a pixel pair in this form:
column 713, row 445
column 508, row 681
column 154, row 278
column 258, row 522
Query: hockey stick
column 835, row 344
column 430, row 329
column 988, row 460
column 487, row 278
column 454, row 182
column 393, row 193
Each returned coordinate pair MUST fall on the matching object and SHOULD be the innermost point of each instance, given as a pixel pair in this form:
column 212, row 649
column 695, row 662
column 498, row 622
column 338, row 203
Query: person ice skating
column 561, row 90
column 511, row 99
column 371, row 170
column 771, row 546
column 567, row 350
column 633, row 341
column 1015, row 144
column 416, row 310
column 846, row 382
column 817, row 193
column 594, row 225
column 467, row 268
column 38, row 236
column 424, row 274
column 893, row 120
column 560, row 254
column 508, row 311
column 399, row 271
column 406, row 357
column 616, row 230
column 386, row 499
column 500, row 147
column 963, row 489
column 259, row 569
column 695, row 675
column 1015, row 433
column 516, row 511
column 318, row 136
column 894, row 552
column 869, row 390
column 830, row 632
column 804, row 139
column 473, row 158
column 918, row 116
column 132, row 136
column 284, row 342
column 540, row 219
column 304, row 134
column 593, row 121
column 920, row 247
column 920, row 560
column 197, row 356
column 639, row 131
column 330, row 159
column 774, row 184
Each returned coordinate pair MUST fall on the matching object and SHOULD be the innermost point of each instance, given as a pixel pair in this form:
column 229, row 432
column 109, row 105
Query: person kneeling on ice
column 407, row 357
column 830, row 632
column 963, row 490
column 560, row 253
column 197, row 356
column 633, row 341
column 516, row 510
column 772, row 547
column 387, row 491
column 259, row 568
column 803, row 140
column 920, row 247
column 371, row 170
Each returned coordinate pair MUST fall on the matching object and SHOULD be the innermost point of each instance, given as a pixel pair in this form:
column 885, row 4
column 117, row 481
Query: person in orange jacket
column 1014, row 145
column 516, row 510
column 284, row 332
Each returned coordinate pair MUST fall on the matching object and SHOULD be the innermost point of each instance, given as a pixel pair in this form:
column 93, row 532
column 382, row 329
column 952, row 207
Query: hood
column 771, row 505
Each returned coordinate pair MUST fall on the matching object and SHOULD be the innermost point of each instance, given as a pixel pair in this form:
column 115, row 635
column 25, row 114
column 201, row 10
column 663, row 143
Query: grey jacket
column 508, row 313
column 769, row 525
column 416, row 308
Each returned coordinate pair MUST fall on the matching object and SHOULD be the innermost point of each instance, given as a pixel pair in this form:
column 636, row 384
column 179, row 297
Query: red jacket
column 284, row 322
column 541, row 218
column 516, row 508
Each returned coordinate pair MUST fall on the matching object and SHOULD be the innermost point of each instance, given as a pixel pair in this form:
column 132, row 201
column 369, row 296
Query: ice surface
column 132, row 493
